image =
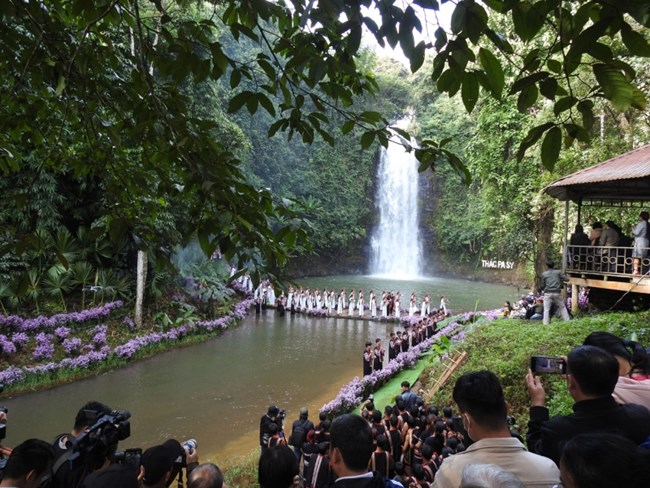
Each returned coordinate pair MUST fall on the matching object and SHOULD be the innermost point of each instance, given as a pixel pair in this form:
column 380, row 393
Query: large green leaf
column 615, row 86
column 469, row 92
column 551, row 147
column 493, row 70
column 634, row 41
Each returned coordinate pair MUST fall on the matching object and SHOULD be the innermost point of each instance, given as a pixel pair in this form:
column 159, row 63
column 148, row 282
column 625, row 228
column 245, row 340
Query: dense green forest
column 144, row 125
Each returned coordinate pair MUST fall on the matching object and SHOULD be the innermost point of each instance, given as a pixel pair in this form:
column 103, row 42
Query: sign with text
column 497, row 264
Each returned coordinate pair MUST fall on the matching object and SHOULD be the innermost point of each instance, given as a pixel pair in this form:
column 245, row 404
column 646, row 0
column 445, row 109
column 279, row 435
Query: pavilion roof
column 624, row 178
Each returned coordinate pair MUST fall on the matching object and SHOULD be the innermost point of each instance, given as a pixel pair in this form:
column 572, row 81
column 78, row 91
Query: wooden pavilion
column 622, row 181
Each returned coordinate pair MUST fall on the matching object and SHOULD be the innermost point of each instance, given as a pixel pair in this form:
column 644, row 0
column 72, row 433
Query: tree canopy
column 107, row 91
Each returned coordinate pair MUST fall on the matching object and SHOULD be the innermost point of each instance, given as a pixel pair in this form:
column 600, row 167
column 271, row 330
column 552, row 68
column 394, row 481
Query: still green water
column 217, row 391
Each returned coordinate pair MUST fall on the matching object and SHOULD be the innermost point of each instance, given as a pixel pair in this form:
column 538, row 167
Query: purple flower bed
column 19, row 324
column 20, row 339
column 97, row 351
column 7, row 346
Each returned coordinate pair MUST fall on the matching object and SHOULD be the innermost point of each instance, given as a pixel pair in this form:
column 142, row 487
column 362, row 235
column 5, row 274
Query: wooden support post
column 574, row 298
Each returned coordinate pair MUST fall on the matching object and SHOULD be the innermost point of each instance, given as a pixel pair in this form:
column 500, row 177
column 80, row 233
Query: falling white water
column 396, row 248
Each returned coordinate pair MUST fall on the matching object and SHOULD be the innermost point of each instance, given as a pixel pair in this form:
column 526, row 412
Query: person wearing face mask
column 484, row 411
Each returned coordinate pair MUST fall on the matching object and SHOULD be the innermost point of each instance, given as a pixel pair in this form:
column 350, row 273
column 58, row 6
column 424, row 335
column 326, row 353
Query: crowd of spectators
column 88, row 457
column 605, row 442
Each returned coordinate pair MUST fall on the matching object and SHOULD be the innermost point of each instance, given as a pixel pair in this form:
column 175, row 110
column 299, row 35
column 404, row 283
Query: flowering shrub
column 8, row 347
column 44, row 347
column 20, row 339
column 61, row 333
column 13, row 322
column 352, row 394
column 99, row 335
column 71, row 345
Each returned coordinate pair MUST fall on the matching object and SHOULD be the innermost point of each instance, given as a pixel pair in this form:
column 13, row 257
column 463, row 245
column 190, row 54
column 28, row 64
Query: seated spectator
column 278, row 468
column 483, row 411
column 592, row 374
column 488, row 476
column 206, row 475
column 29, row 465
column 603, row 461
column 633, row 384
column 536, row 311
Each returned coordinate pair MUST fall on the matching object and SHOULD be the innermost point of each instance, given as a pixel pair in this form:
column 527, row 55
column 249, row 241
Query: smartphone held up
column 547, row 365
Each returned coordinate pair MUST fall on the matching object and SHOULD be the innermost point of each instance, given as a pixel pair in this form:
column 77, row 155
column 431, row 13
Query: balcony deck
column 606, row 267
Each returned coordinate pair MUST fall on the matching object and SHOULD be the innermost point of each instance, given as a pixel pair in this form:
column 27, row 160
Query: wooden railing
column 604, row 261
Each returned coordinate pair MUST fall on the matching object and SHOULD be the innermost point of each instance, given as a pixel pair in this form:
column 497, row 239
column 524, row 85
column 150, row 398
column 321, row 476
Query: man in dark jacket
column 592, row 374
column 299, row 430
column 553, row 281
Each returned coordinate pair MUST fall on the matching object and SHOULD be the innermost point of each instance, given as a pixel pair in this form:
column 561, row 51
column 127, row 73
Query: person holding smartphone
column 592, row 374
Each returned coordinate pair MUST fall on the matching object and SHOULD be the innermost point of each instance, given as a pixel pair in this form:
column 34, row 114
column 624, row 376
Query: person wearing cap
column 271, row 417
column 553, row 281
column 158, row 463
column 299, row 430
column 163, row 463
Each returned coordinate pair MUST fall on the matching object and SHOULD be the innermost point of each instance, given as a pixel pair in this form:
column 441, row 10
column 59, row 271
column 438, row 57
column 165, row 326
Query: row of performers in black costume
column 373, row 357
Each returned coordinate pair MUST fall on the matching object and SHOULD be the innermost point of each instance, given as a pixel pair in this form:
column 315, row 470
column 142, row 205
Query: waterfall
column 396, row 248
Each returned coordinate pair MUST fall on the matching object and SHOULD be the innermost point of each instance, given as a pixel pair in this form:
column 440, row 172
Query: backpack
column 298, row 435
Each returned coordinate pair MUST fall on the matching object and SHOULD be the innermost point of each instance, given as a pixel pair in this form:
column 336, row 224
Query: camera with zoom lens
column 100, row 439
column 282, row 414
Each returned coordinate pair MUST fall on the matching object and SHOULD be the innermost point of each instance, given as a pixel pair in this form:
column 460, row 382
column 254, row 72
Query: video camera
column 100, row 439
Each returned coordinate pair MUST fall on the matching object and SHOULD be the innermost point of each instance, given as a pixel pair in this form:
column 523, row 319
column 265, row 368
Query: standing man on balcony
column 641, row 234
column 553, row 281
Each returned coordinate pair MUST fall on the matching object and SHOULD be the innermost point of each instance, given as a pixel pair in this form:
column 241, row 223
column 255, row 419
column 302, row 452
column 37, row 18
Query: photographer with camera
column 162, row 464
column 29, row 465
column 274, row 415
column 90, row 446
column 69, row 472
